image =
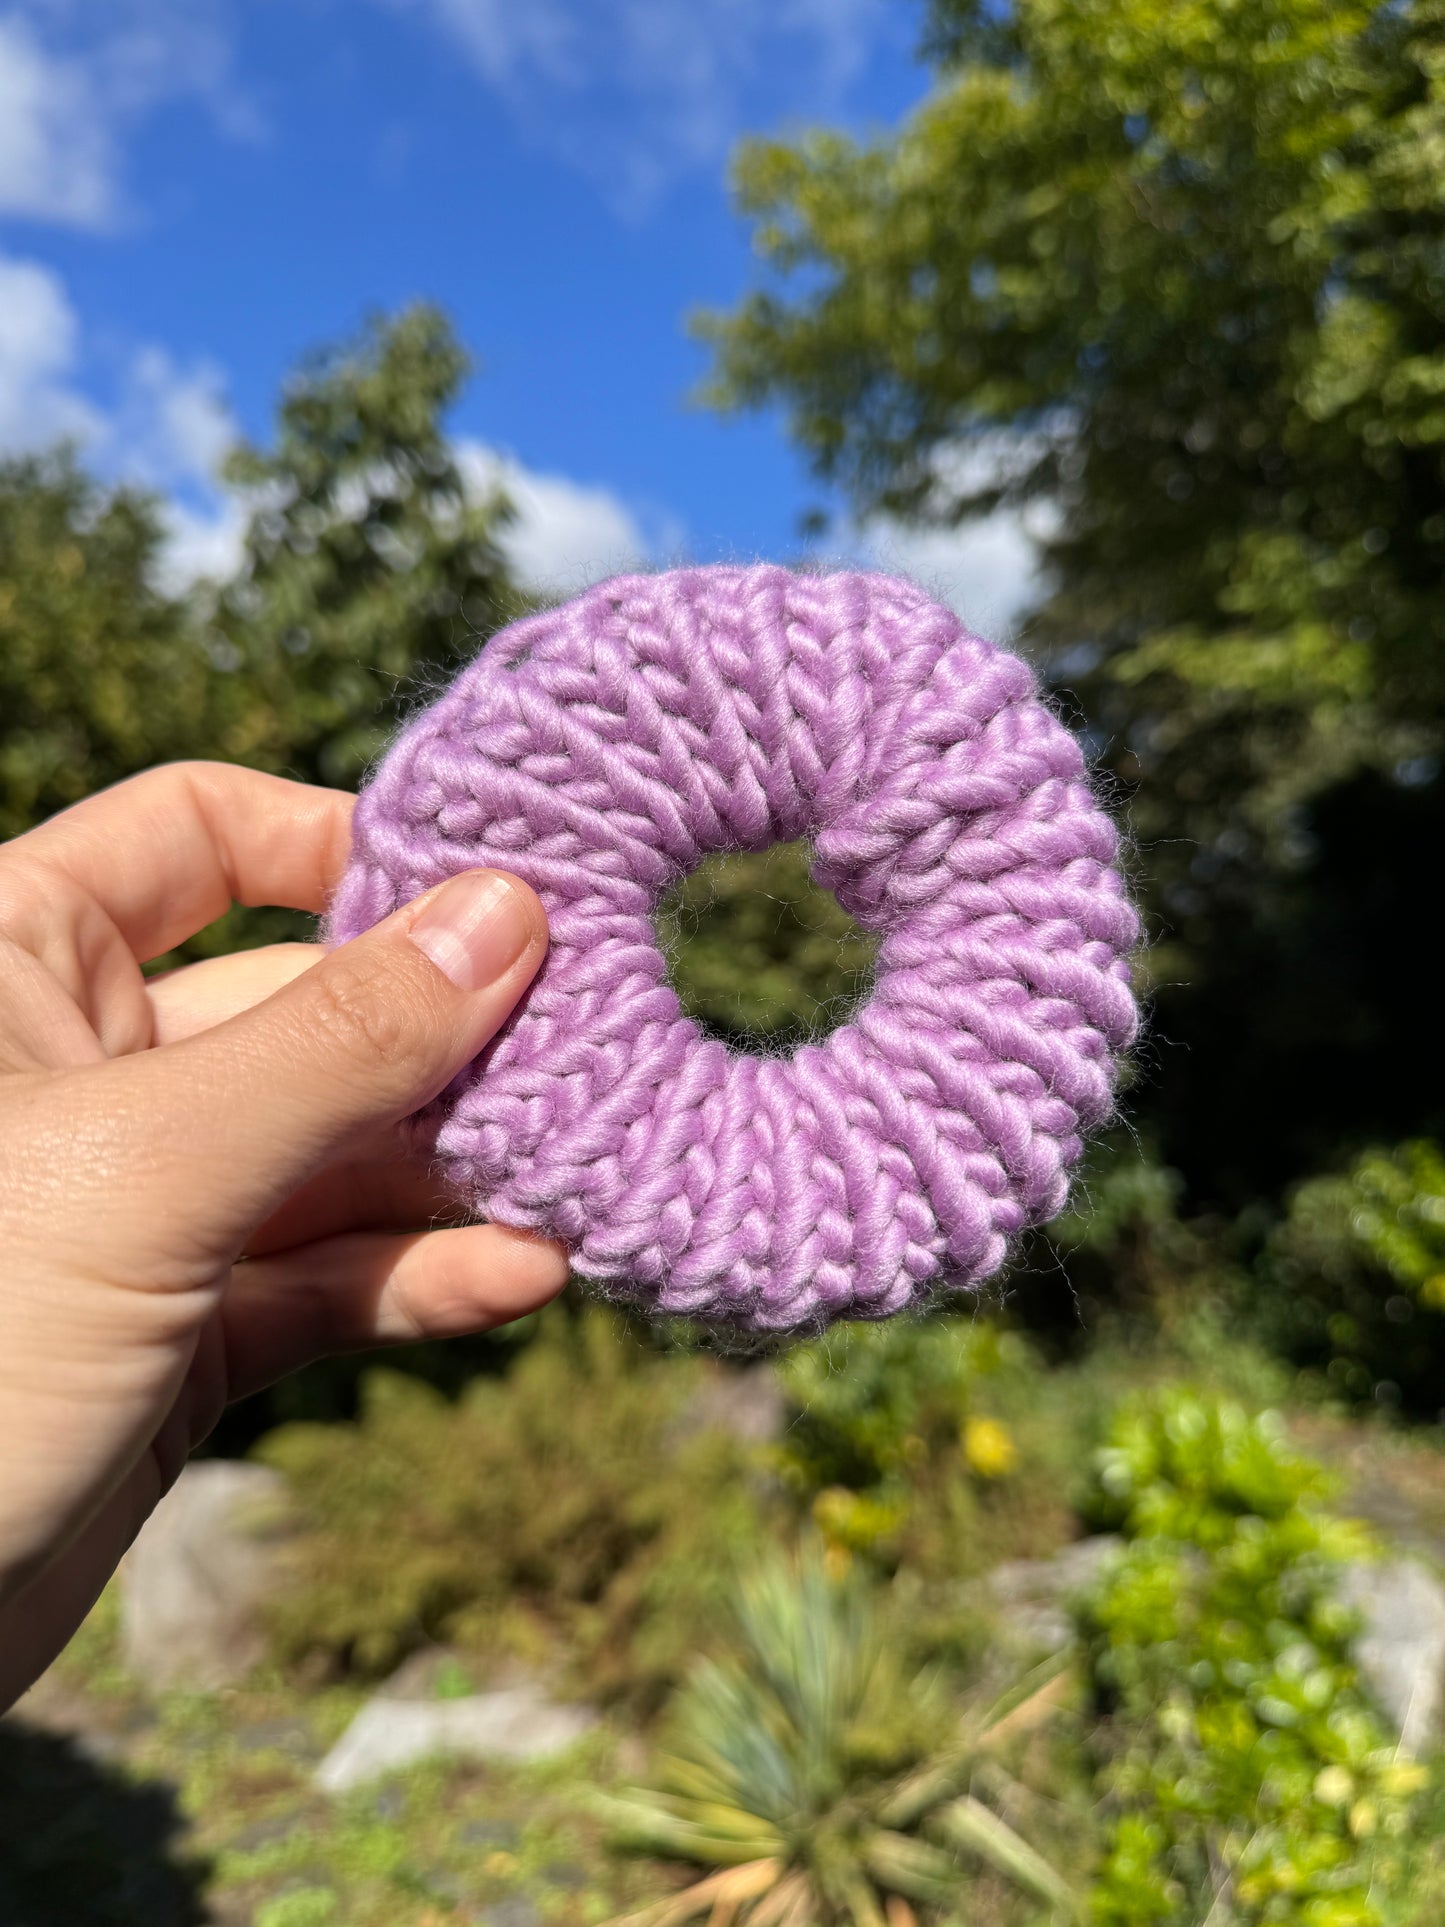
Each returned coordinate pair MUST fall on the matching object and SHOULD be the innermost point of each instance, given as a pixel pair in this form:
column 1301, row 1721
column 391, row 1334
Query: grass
column 441, row 1841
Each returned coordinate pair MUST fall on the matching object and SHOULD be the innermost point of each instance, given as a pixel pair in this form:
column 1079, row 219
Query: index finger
column 166, row 853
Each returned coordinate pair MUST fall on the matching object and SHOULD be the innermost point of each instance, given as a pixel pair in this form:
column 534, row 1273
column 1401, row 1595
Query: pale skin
column 203, row 1182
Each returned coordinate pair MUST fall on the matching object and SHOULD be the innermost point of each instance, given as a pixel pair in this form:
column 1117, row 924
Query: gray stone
column 562, row 1873
column 419, row 1674
column 204, row 1564
column 1401, row 1646
column 512, row 1912
column 1034, row 1595
column 745, row 1402
column 518, row 1723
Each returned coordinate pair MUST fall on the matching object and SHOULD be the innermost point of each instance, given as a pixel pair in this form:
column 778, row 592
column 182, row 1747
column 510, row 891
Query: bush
column 1353, row 1280
column 557, row 1510
column 891, row 1432
column 824, row 1775
column 1239, row 1756
column 759, row 954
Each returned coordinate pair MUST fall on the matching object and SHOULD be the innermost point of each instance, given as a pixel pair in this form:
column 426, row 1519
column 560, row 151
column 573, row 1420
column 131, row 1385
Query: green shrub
column 824, row 1776
column 890, row 1429
column 1246, row 1775
column 557, row 1508
column 1353, row 1280
column 759, row 954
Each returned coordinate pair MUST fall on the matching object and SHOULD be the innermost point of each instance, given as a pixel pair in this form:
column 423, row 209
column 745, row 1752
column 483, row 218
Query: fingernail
column 474, row 929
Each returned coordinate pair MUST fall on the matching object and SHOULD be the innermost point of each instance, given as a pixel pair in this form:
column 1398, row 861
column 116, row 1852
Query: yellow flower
column 989, row 1448
column 852, row 1520
column 1432, row 1292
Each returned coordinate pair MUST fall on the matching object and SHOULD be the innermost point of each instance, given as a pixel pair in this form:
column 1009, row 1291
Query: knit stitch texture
column 600, row 751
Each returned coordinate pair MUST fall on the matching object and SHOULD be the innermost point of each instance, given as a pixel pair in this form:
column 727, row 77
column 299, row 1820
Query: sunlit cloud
column 76, row 78
column 564, row 534
column 163, row 425
column 39, row 349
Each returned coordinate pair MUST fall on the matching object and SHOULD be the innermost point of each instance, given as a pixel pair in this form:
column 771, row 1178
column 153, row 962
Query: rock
column 518, row 1723
column 194, row 1582
column 512, row 1912
column 1034, row 1595
column 562, row 1873
column 1400, row 1650
column 427, row 1674
column 745, row 1402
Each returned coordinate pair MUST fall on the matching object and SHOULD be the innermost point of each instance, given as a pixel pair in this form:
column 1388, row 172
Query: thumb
column 369, row 1034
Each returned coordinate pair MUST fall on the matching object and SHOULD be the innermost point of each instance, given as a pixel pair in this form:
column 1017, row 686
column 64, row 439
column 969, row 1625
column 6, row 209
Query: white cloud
column 633, row 92
column 39, row 346
column 166, row 427
column 566, row 534
column 985, row 571
column 201, row 542
column 56, row 155
column 75, row 76
column 173, row 424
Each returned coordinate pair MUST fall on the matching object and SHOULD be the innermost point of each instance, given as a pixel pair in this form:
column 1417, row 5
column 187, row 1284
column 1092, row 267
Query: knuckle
column 352, row 1010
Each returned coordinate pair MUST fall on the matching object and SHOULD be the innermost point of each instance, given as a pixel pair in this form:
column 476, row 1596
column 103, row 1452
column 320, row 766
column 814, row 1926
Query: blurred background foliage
column 1173, row 272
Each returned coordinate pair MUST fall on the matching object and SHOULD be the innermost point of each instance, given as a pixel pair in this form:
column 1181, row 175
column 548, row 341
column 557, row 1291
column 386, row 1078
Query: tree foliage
column 1178, row 269
column 370, row 568
column 99, row 674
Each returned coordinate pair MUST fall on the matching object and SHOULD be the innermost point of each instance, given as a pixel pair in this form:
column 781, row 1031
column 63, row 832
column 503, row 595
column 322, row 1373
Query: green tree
column 99, row 675
column 370, row 570
column 1179, row 269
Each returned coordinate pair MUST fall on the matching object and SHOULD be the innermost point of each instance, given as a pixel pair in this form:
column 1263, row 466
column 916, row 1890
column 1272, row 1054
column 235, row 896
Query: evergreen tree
column 369, row 569
column 99, row 674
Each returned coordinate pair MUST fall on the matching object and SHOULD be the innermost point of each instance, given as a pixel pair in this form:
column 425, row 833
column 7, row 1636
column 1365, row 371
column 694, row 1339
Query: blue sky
column 194, row 191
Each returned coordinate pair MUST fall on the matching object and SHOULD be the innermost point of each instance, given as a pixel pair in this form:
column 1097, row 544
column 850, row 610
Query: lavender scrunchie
column 600, row 751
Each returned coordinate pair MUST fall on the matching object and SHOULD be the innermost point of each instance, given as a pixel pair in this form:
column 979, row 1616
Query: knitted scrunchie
column 600, row 751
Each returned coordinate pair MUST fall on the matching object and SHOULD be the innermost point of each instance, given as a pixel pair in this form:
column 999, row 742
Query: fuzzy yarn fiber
column 600, row 751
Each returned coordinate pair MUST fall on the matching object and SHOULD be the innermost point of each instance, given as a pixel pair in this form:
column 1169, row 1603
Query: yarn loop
column 601, row 751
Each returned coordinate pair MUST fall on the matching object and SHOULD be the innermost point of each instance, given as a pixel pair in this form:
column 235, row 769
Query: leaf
column 650, row 1827
column 779, row 1905
column 1032, row 1700
column 969, row 1824
column 736, row 1886
column 911, row 1867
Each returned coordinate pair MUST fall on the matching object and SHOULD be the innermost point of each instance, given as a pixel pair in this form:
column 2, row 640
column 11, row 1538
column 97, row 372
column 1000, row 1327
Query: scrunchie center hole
column 759, row 955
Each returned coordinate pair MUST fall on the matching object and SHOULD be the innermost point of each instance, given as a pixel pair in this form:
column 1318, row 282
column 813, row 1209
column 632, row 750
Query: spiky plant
column 812, row 1773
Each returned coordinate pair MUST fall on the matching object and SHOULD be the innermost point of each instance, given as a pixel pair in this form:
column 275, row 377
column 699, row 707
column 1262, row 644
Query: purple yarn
column 603, row 749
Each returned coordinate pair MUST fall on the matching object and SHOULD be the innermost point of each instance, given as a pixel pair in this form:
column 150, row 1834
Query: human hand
column 202, row 1182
